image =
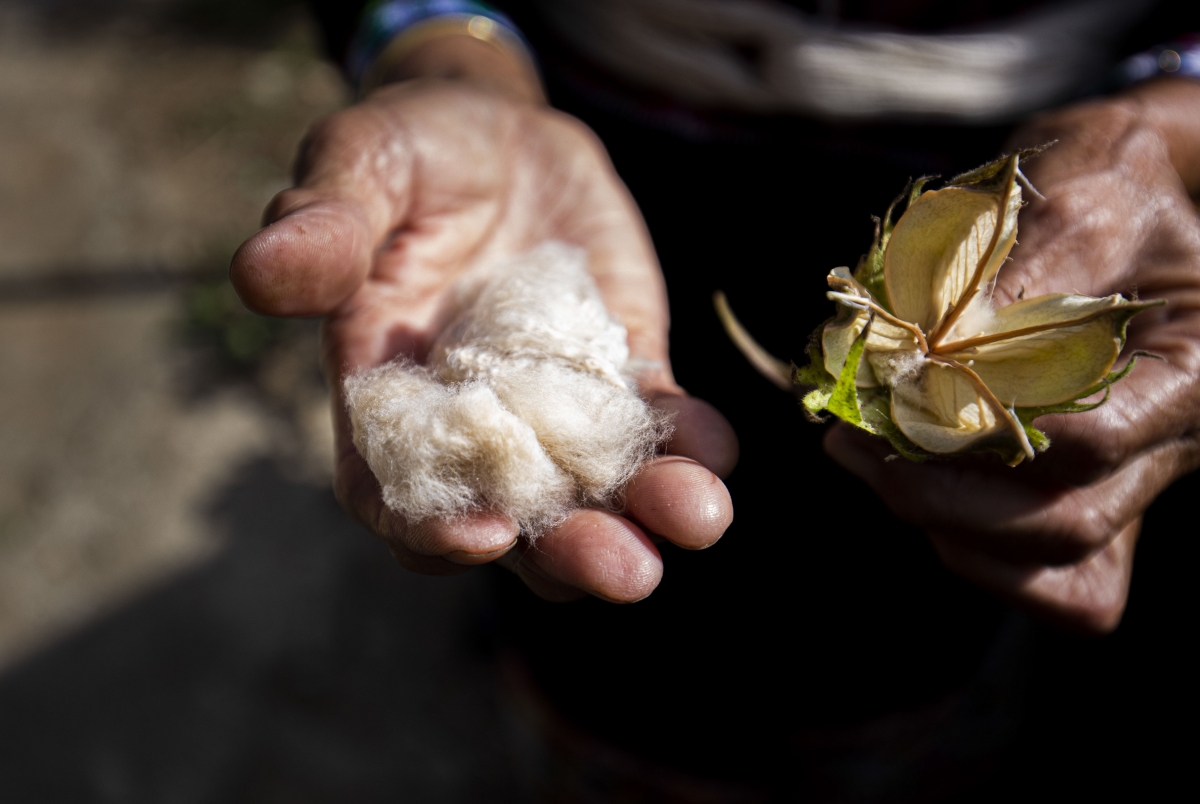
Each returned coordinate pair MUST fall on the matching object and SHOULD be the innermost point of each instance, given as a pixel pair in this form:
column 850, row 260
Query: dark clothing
column 1170, row 18
column 818, row 607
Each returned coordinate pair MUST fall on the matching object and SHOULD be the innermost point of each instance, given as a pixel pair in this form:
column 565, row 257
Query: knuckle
column 585, row 143
column 1104, row 450
column 1060, row 538
column 1094, row 610
column 1141, row 142
column 1189, row 453
column 315, row 141
column 1090, row 447
column 1083, row 534
column 1112, row 449
column 335, row 129
column 348, row 133
column 1103, row 617
column 284, row 203
column 1069, row 210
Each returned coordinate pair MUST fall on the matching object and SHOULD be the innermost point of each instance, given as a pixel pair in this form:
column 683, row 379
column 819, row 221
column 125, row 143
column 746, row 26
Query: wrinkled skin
column 1056, row 536
column 395, row 197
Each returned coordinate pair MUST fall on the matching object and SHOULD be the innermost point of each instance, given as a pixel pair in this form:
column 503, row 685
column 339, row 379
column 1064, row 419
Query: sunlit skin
column 1056, row 536
column 397, row 194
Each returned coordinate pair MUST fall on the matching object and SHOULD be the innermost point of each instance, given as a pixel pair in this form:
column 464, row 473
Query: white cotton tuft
column 898, row 367
column 525, row 408
column 441, row 451
column 977, row 319
column 540, row 306
column 598, row 432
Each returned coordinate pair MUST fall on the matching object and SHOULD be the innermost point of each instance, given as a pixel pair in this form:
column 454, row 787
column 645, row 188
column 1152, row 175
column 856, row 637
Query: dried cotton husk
column 919, row 353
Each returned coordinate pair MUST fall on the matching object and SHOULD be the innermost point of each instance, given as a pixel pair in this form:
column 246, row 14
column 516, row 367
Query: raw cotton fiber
column 526, row 406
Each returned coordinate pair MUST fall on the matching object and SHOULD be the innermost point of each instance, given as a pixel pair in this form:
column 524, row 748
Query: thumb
column 321, row 236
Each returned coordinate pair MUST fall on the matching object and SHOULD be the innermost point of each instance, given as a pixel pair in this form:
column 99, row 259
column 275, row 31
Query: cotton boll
column 442, row 451
column 541, row 305
column 598, row 432
column 526, row 406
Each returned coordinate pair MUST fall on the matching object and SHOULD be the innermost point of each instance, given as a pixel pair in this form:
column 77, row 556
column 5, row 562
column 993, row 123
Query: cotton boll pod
column 919, row 354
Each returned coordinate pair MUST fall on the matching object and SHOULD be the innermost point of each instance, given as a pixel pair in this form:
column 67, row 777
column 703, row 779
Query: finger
column 433, row 547
column 536, row 578
column 309, row 260
column 1115, row 219
column 1107, row 184
column 1088, row 597
column 321, row 236
column 680, row 500
column 1155, row 404
column 1074, row 241
column 1007, row 513
column 701, row 432
column 597, row 552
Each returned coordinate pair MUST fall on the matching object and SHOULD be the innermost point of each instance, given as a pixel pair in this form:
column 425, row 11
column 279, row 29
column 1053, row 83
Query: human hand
column 1056, row 536
column 395, row 198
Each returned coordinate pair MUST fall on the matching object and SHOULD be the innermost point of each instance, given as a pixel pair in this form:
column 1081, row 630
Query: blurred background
column 185, row 613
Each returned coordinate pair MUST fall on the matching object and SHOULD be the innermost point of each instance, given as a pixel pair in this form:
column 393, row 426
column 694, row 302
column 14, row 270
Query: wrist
column 465, row 40
column 457, row 56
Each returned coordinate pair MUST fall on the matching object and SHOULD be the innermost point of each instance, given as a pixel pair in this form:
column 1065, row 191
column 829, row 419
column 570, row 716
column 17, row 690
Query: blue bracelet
column 1181, row 57
column 384, row 20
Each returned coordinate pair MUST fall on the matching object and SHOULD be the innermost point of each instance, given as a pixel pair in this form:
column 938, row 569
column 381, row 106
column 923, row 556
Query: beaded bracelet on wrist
column 1178, row 58
column 391, row 29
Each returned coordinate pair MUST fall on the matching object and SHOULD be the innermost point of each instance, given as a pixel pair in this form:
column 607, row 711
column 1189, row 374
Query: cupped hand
column 395, row 198
column 1056, row 536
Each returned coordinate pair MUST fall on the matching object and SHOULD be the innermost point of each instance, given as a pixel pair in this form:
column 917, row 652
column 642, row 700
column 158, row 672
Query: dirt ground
column 185, row 613
column 134, row 161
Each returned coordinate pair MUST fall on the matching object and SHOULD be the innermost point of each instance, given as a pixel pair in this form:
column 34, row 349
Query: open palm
column 396, row 197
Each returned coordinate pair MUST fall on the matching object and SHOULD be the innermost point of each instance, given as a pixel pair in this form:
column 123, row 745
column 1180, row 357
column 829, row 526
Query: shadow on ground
column 300, row 665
